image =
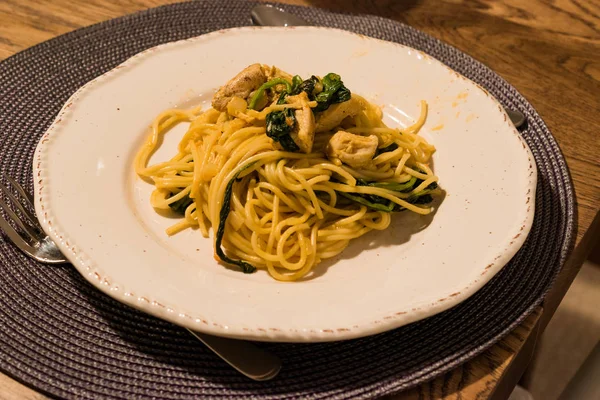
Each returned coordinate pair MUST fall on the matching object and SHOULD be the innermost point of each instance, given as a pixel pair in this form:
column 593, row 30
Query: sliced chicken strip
column 304, row 131
column 355, row 150
column 248, row 80
column 335, row 114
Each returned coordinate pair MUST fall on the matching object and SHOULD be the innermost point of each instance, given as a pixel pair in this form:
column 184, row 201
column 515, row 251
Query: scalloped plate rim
column 84, row 263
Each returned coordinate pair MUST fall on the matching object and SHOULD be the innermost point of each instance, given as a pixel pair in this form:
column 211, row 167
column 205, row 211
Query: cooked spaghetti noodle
column 284, row 175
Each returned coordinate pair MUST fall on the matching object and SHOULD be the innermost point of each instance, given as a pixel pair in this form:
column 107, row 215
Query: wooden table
column 549, row 50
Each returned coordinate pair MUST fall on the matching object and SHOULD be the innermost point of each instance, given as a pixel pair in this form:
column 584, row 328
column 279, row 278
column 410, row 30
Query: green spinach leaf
column 181, row 205
column 386, row 149
column 280, row 124
column 382, row 204
column 333, row 92
column 246, row 267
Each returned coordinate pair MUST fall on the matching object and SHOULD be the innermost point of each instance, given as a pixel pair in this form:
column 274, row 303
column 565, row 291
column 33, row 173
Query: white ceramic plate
column 92, row 204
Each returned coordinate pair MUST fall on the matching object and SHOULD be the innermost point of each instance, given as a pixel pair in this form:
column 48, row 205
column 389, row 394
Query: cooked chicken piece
column 304, row 131
column 236, row 105
column 354, row 150
column 248, row 80
column 336, row 113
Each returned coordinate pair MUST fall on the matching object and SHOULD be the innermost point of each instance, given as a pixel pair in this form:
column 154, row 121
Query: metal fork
column 245, row 357
column 35, row 243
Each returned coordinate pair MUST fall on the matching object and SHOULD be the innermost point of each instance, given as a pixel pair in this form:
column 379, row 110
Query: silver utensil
column 33, row 242
column 517, row 117
column 266, row 15
column 248, row 359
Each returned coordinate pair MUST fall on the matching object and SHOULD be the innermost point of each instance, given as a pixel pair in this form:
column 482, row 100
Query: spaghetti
column 287, row 171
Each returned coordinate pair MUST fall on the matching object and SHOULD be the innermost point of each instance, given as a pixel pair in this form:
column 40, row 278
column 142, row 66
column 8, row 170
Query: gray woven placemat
column 64, row 338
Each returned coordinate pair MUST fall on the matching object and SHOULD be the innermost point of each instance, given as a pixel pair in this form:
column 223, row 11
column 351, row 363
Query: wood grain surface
column 549, row 50
column 485, row 376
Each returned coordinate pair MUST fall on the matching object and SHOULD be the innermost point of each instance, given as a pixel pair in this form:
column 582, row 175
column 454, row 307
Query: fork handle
column 250, row 360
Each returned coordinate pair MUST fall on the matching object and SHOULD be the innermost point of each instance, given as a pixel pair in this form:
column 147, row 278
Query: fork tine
column 28, row 230
column 17, row 239
column 22, row 192
column 33, row 221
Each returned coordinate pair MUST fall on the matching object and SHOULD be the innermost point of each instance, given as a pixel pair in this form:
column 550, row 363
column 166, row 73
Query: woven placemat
column 62, row 337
